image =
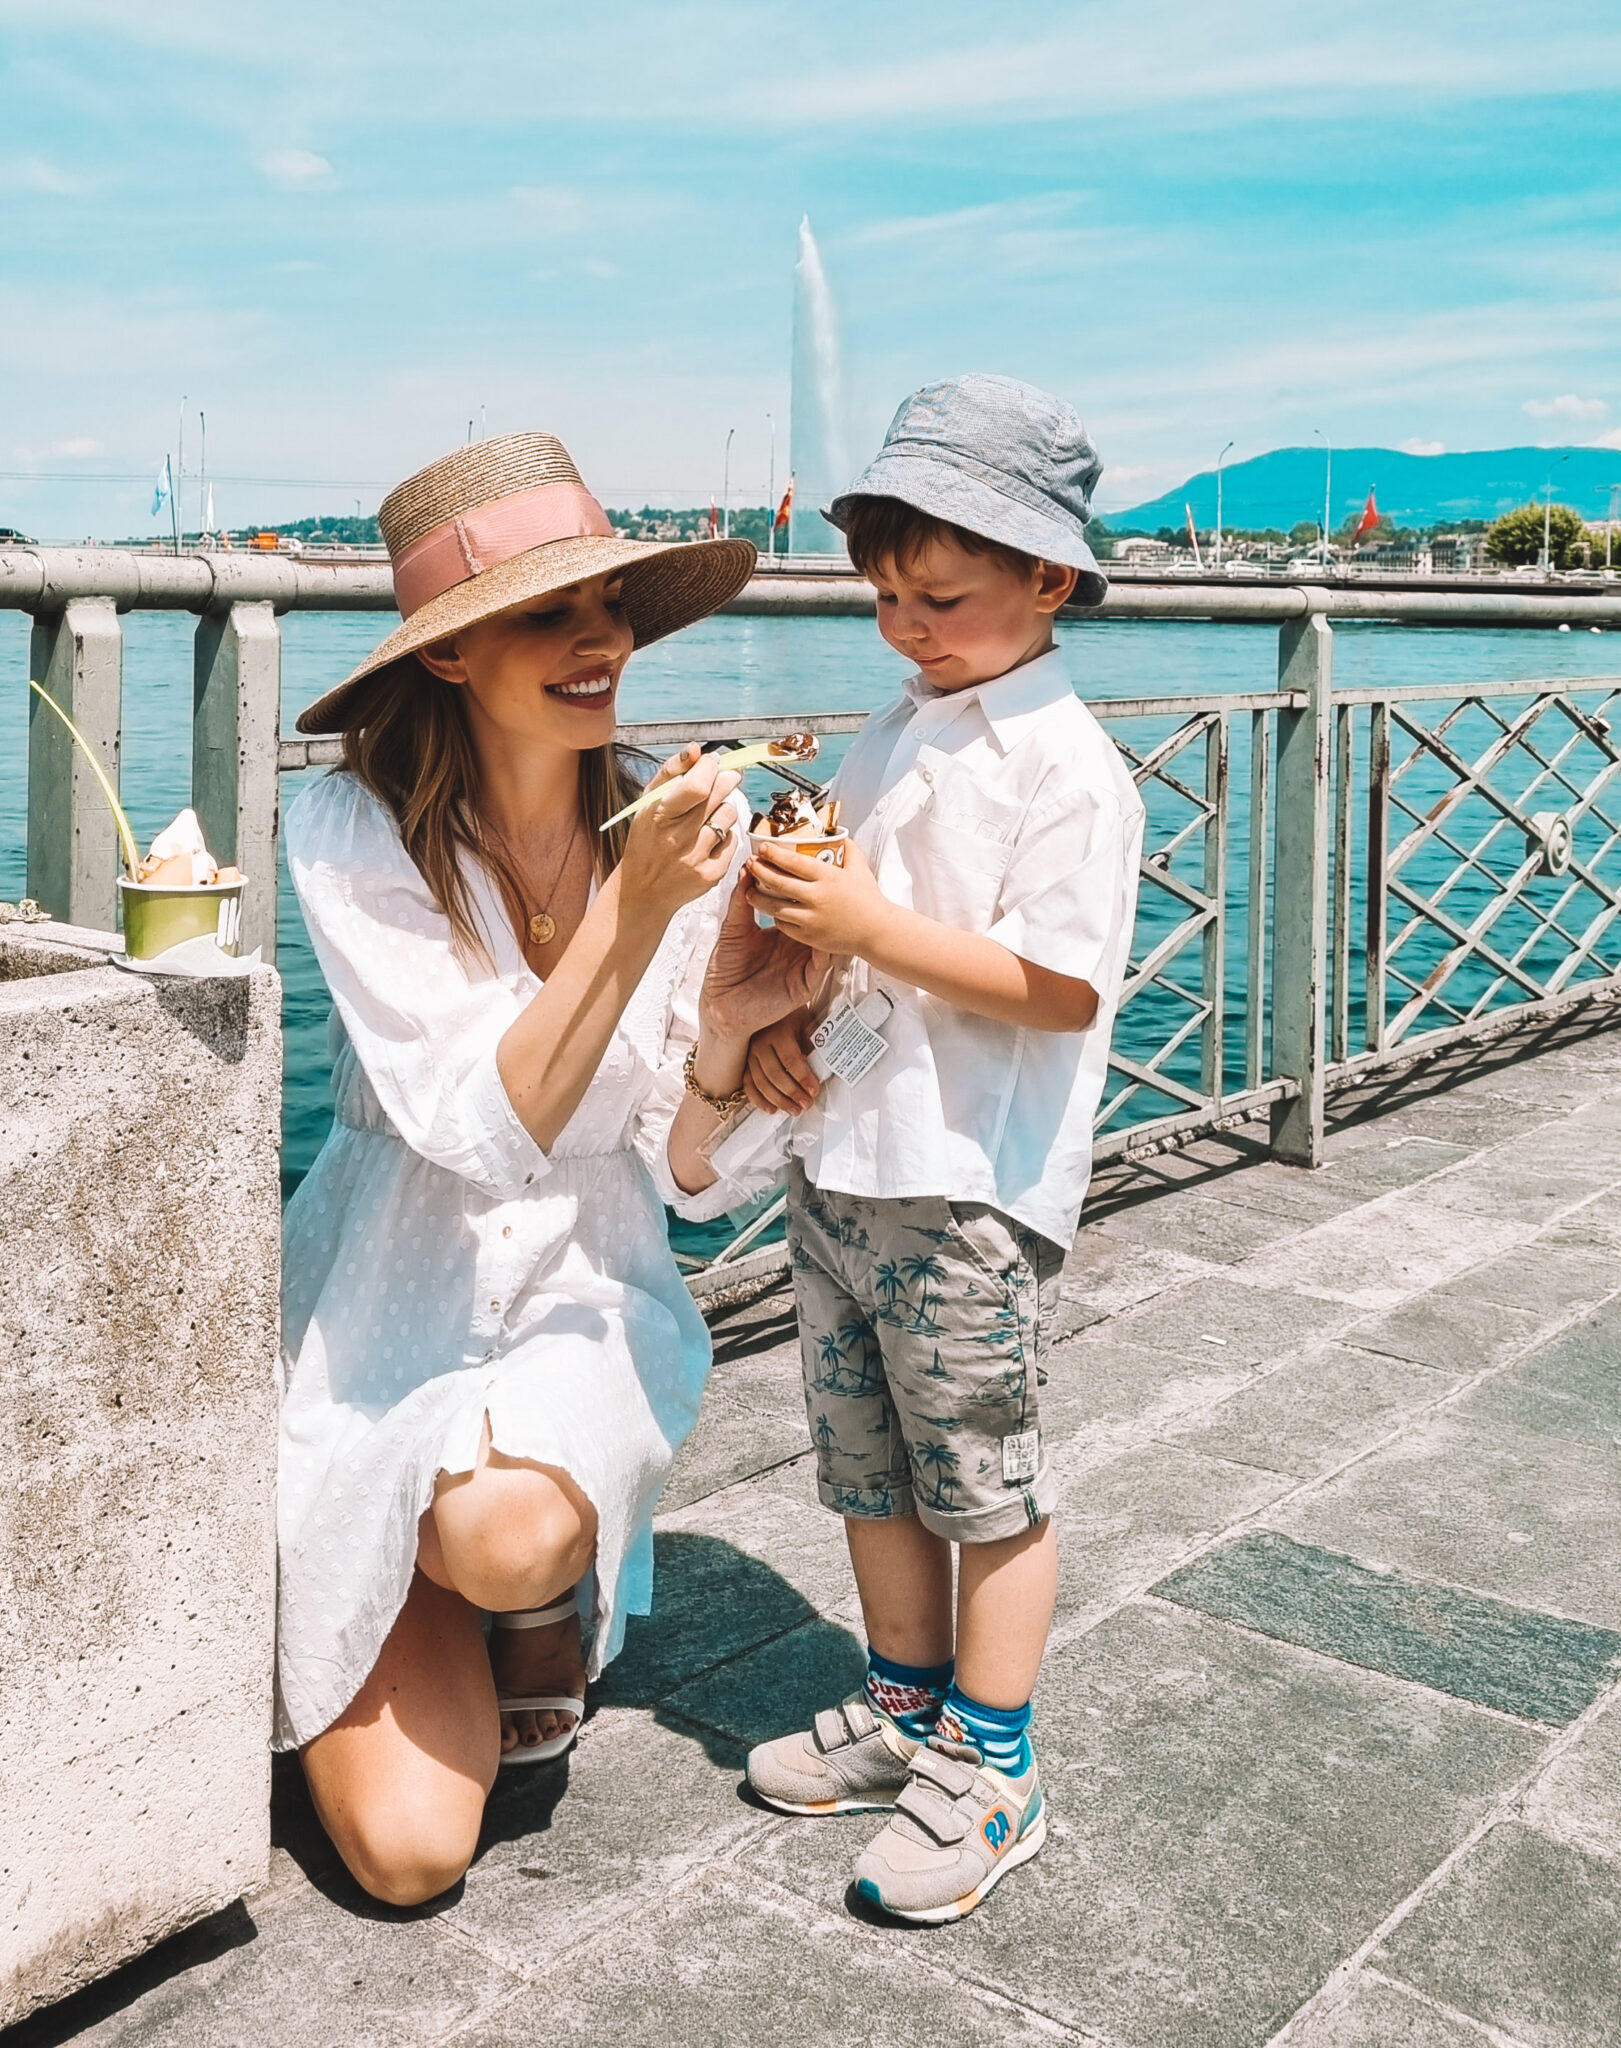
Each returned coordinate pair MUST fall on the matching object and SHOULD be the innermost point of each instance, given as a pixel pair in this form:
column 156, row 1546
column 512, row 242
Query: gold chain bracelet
column 723, row 1106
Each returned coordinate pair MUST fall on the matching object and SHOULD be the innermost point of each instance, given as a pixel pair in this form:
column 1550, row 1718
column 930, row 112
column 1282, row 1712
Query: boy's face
column 965, row 618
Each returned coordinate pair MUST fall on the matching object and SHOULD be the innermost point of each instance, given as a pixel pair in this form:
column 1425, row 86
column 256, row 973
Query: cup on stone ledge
column 157, row 917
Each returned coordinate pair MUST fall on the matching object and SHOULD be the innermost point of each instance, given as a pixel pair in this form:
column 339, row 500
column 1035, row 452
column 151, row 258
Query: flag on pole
column 1368, row 521
column 784, row 508
column 1193, row 537
column 208, row 516
column 714, row 521
column 162, row 488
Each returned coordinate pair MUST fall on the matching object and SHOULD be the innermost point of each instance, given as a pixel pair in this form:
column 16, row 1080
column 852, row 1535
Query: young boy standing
column 988, row 890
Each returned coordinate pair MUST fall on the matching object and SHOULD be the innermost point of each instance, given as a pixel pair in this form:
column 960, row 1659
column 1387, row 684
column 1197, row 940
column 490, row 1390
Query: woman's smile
column 589, row 692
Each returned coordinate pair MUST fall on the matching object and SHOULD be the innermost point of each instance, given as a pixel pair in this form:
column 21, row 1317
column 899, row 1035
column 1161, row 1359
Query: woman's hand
column 680, row 846
column 754, row 977
column 835, row 909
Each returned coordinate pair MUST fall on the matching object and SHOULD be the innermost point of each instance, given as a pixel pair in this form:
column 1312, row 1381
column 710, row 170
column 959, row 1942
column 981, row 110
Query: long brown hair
column 408, row 743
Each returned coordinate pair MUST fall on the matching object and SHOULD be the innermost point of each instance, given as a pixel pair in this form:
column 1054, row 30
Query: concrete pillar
column 235, row 732
column 73, row 855
column 139, row 1306
column 1300, row 908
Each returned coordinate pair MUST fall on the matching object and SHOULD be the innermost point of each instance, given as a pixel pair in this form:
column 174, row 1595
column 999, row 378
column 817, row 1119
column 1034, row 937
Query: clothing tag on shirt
column 846, row 1046
column 1020, row 1456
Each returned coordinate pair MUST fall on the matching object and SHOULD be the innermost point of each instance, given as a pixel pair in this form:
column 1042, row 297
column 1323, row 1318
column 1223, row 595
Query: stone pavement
column 1330, row 1723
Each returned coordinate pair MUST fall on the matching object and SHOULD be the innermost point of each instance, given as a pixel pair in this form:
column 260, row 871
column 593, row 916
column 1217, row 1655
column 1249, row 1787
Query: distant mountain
column 1413, row 490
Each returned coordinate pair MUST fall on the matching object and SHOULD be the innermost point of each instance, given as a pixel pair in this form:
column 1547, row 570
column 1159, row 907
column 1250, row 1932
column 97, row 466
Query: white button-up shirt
column 1003, row 809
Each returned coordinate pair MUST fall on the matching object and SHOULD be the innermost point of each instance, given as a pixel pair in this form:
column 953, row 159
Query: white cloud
column 1610, row 440
column 293, row 168
column 76, row 448
column 1569, row 407
column 555, row 209
column 35, row 174
column 599, row 266
column 1421, row 447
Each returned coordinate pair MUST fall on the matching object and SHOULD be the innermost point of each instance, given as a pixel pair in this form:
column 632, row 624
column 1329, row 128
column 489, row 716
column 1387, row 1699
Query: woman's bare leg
column 512, row 1533
column 400, row 1778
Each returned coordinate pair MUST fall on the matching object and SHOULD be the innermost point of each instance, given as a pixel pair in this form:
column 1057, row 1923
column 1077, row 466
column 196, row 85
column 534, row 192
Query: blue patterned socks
column 1000, row 1734
column 910, row 1694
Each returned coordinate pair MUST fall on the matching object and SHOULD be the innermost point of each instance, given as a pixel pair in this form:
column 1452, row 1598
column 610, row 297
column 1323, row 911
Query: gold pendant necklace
column 542, row 925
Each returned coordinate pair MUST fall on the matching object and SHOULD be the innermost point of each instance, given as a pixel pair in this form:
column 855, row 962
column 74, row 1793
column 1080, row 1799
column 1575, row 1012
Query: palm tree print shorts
column 919, row 1323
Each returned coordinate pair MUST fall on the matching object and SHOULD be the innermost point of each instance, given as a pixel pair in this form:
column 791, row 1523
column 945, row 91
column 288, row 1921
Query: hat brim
column 949, row 493
column 667, row 585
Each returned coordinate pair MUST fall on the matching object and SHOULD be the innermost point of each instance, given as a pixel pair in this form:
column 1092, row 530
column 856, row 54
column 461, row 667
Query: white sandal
column 540, row 1703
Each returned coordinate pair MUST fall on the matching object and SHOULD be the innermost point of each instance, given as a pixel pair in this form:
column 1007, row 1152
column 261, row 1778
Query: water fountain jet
column 819, row 450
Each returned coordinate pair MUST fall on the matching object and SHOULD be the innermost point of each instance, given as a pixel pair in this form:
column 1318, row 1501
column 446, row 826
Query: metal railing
column 1331, row 882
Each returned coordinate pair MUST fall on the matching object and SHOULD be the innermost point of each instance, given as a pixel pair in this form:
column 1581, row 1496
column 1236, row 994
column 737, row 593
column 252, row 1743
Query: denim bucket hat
column 1000, row 458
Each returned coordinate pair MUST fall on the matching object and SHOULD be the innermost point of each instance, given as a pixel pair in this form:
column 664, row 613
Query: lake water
column 725, row 666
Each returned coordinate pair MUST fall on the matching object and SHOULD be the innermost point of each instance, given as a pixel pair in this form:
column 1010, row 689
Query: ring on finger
column 722, row 832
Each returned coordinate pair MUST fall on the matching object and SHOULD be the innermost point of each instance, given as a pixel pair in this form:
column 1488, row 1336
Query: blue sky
column 343, row 229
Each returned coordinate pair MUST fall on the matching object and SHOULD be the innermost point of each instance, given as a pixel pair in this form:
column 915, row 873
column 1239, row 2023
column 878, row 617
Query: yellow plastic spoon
column 788, row 746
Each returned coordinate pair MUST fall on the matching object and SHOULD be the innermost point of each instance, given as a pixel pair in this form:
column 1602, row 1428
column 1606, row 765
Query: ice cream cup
column 828, row 847
column 157, row 917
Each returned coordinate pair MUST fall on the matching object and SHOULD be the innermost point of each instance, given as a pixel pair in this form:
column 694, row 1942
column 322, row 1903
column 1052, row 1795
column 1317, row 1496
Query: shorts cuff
column 868, row 1503
column 1010, row 1515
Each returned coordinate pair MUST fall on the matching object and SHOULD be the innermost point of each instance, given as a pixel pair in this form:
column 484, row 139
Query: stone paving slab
column 1524, row 1934
column 1125, row 1522
column 1379, row 1360
column 1578, row 1797
column 1312, row 1414
column 1451, row 1328
column 1570, row 1387
column 1536, row 1666
column 1230, row 1816
column 1248, row 1325
column 335, row 1972
column 726, row 1963
column 1526, row 1516
column 635, row 1810
column 1379, row 2014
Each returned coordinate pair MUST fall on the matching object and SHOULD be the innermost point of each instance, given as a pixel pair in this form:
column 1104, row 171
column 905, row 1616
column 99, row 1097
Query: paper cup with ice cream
column 810, row 828
column 181, row 910
column 180, row 893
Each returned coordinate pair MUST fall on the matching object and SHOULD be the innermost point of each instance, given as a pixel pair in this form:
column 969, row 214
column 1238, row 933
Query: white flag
column 160, row 490
column 208, row 516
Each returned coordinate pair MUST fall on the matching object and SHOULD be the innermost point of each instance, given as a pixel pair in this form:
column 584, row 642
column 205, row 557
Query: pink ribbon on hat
column 476, row 540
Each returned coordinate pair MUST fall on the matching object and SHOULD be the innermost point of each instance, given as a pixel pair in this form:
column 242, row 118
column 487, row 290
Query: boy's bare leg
column 903, row 1573
column 1005, row 1597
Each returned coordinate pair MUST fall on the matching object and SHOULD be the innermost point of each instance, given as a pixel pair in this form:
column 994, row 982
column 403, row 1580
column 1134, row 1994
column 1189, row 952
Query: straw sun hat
column 493, row 526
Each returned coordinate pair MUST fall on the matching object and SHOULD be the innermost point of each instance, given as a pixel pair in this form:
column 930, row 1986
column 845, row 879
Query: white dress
column 440, row 1267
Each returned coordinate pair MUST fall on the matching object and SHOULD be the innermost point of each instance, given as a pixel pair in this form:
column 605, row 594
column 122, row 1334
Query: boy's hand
column 778, row 1075
column 833, row 909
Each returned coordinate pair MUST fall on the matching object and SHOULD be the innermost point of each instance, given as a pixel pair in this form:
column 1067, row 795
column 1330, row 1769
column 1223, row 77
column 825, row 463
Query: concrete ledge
column 139, row 1282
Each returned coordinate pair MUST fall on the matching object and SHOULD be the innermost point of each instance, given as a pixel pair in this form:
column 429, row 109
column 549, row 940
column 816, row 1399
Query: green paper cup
column 156, row 918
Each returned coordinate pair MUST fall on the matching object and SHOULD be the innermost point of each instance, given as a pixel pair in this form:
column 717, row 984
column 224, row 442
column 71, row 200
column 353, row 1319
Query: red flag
column 784, row 508
column 1193, row 538
column 1368, row 521
column 714, row 521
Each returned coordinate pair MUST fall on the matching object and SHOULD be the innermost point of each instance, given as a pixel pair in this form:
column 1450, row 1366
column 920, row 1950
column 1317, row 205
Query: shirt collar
column 1010, row 704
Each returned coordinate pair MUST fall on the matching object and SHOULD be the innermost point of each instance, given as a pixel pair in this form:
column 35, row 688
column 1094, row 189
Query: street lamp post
column 1220, row 459
column 1328, row 486
column 1546, row 562
column 771, row 495
column 726, row 488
